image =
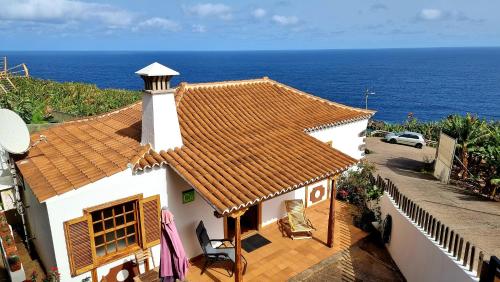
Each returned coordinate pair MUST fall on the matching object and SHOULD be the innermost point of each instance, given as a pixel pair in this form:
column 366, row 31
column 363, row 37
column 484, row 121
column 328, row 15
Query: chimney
column 160, row 124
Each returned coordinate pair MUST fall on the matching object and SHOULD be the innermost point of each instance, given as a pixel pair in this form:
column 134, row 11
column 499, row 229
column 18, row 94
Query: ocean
column 431, row 83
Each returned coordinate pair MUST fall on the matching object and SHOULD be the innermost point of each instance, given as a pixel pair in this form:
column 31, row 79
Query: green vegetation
column 355, row 187
column 478, row 146
column 430, row 130
column 470, row 133
column 36, row 99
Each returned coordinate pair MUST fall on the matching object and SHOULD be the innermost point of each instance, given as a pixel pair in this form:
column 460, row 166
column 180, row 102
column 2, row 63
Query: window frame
column 127, row 250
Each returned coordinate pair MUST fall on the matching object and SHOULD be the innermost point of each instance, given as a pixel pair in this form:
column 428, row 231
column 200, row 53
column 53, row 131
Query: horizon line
column 249, row 50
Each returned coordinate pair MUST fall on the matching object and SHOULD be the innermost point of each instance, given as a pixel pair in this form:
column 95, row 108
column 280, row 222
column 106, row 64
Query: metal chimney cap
column 156, row 69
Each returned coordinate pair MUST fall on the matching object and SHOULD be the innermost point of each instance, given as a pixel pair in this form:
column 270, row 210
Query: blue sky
column 244, row 25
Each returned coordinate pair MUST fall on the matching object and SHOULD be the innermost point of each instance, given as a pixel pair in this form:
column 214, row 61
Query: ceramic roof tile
column 244, row 142
column 81, row 152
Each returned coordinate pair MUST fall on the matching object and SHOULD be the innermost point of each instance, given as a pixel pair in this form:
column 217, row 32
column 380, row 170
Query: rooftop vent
column 156, row 77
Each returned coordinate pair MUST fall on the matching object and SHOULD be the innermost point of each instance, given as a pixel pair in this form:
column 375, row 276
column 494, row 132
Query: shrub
column 34, row 99
column 355, row 187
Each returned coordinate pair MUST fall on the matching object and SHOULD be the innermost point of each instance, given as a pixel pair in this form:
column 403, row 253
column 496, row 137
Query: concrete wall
column 415, row 253
column 345, row 137
column 187, row 216
column 39, row 228
column 71, row 204
column 274, row 209
column 52, row 249
column 5, row 175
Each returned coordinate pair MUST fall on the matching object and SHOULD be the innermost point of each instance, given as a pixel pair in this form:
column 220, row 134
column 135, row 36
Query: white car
column 407, row 138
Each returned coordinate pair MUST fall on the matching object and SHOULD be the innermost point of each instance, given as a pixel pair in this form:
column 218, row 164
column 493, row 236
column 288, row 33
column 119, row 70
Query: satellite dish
column 14, row 134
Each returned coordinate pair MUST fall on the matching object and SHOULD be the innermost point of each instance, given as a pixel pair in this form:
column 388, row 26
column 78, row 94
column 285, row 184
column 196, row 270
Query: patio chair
column 300, row 226
column 142, row 257
column 216, row 250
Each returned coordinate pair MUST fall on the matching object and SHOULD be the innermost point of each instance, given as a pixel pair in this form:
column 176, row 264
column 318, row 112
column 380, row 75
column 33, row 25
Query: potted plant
column 3, row 222
column 53, row 275
column 9, row 243
column 14, row 263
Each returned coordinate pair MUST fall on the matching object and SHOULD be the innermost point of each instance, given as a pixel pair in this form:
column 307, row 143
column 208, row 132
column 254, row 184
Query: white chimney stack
column 160, row 124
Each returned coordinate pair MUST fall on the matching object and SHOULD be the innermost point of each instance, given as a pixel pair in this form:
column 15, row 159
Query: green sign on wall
column 187, row 196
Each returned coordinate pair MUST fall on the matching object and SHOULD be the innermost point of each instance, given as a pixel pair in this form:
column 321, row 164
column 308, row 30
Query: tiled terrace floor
column 284, row 258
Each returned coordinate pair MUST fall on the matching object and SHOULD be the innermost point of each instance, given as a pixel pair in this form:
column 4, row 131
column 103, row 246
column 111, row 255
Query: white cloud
column 445, row 15
column 209, row 9
column 259, row 13
column 62, row 11
column 158, row 23
column 431, row 14
column 198, row 28
column 284, row 20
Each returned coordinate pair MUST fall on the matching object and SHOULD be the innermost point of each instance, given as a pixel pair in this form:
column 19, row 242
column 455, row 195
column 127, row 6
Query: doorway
column 250, row 222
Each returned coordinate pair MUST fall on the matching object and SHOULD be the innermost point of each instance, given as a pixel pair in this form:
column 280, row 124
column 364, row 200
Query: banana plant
column 470, row 132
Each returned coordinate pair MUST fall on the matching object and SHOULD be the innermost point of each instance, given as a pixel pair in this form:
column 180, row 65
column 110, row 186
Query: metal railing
column 465, row 252
column 17, row 70
column 490, row 270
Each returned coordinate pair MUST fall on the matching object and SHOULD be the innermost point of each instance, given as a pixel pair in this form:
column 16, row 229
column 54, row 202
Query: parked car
column 407, row 138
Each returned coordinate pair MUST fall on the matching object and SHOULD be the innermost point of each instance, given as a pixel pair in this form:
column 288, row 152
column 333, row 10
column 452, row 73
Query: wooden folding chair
column 300, row 226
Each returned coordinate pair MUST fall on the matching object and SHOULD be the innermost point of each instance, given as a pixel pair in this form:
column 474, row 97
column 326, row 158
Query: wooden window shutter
column 79, row 245
column 149, row 211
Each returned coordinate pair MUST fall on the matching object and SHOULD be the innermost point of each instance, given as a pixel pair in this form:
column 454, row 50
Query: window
column 115, row 228
column 111, row 231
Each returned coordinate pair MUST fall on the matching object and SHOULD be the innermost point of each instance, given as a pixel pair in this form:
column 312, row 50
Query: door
column 404, row 139
column 250, row 222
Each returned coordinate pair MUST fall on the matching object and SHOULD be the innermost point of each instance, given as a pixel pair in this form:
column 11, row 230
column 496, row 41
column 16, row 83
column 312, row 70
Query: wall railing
column 464, row 251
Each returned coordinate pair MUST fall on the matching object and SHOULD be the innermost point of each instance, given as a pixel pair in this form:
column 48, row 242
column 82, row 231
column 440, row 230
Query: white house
column 206, row 151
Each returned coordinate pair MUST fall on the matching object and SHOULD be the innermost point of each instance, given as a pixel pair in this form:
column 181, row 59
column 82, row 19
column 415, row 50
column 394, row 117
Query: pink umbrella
column 173, row 260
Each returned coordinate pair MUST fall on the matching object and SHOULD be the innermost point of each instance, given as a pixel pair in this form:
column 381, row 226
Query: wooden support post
column 238, row 271
column 93, row 273
column 238, row 275
column 331, row 215
column 26, row 72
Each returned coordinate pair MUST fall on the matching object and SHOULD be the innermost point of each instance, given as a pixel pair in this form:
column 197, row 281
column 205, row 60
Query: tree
column 470, row 132
column 490, row 153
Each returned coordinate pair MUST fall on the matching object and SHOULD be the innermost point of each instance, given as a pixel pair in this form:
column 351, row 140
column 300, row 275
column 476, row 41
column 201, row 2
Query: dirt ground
column 477, row 219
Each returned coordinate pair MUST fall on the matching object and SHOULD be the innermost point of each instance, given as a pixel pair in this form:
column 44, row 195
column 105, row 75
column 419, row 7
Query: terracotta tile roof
column 81, row 152
column 244, row 141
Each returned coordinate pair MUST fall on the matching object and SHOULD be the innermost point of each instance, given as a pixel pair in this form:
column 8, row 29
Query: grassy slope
column 35, row 98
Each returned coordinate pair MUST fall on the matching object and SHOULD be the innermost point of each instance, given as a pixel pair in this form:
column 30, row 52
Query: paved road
column 475, row 218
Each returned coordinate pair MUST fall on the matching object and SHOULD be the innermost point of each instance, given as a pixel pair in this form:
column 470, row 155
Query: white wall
column 71, row 204
column 39, row 228
column 418, row 257
column 52, row 249
column 345, row 137
column 274, row 209
column 187, row 216
column 160, row 124
column 5, row 175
